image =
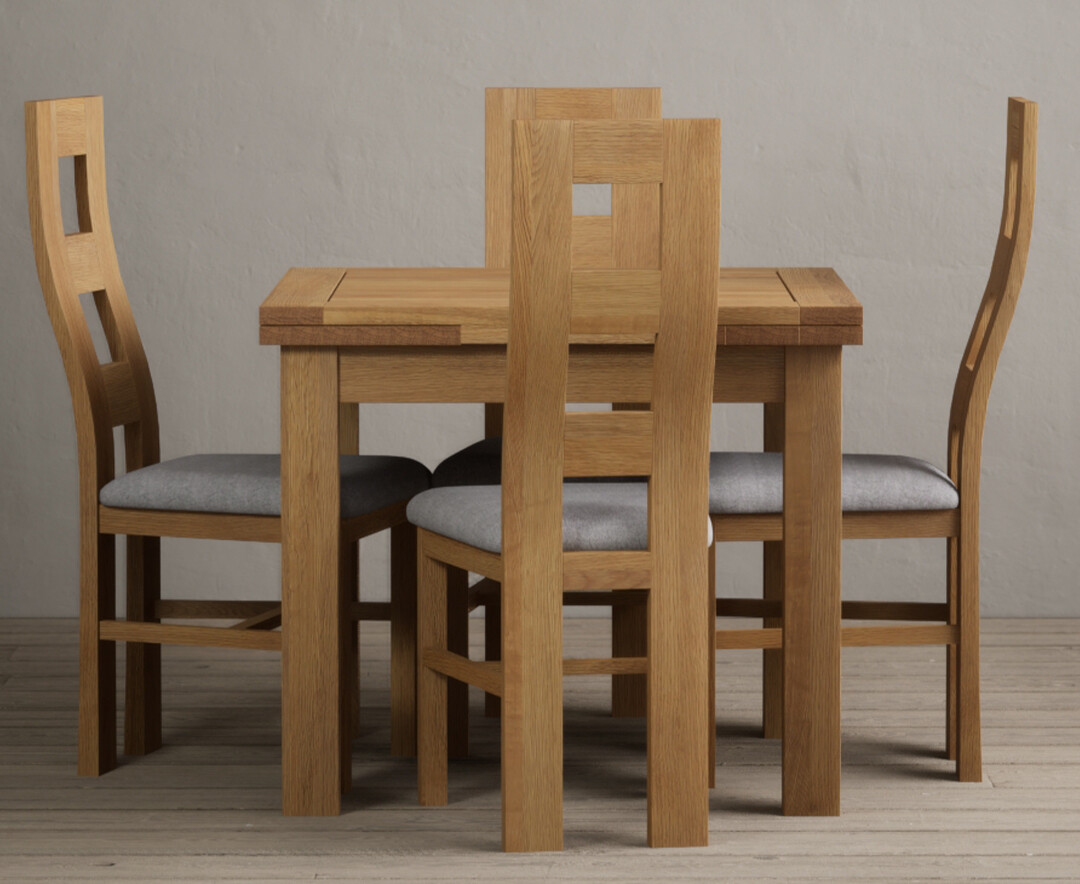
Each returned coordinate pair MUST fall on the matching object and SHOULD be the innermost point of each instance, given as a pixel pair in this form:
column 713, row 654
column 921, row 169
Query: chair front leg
column 457, row 623
column 97, row 659
column 493, row 646
column 629, row 638
column 349, row 681
column 142, row 683
column 431, row 744
column 772, row 688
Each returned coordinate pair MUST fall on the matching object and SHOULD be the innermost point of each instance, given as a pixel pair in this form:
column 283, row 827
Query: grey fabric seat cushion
column 753, row 482
column 250, row 484
column 596, row 516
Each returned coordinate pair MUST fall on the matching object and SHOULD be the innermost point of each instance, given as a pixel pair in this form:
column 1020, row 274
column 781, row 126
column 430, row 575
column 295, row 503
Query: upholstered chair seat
column 250, row 484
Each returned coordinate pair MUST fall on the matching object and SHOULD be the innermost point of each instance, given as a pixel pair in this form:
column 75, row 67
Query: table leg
column 311, row 713
column 812, row 551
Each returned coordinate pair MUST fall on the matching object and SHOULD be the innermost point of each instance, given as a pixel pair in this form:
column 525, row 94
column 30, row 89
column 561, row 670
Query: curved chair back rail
column 976, row 374
column 120, row 392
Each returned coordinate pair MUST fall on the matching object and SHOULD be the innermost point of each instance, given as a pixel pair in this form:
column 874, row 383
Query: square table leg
column 812, row 552
column 311, row 652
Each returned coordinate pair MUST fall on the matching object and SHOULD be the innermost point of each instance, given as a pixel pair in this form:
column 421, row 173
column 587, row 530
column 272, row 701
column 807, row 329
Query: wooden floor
column 206, row 807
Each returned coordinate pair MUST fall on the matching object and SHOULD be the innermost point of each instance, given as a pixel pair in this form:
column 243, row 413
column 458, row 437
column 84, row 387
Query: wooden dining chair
column 627, row 237
column 895, row 496
column 217, row 496
column 539, row 538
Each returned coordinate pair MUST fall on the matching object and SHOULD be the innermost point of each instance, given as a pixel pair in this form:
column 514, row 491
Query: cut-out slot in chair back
column 998, row 304
column 628, row 237
column 116, row 393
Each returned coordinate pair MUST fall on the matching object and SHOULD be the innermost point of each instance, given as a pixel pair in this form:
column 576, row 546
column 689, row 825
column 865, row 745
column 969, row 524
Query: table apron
column 597, row 374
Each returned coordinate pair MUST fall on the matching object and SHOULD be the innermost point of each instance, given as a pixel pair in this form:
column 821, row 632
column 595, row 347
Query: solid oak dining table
column 439, row 335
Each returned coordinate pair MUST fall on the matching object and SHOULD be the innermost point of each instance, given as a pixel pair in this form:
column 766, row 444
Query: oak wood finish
column 311, row 713
column 628, row 237
column 542, row 444
column 821, row 301
column 597, row 373
column 120, row 393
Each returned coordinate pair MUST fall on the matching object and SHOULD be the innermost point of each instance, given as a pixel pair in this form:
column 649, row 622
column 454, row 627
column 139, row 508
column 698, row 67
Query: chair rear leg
column 629, row 638
column 97, row 659
column 403, row 640
column 493, row 647
column 968, row 714
column 457, row 619
column 711, row 620
column 431, row 744
column 142, row 683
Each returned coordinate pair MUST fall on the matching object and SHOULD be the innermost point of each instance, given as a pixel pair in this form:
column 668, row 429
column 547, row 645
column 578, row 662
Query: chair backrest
column 104, row 395
column 976, row 374
column 669, row 442
column 627, row 238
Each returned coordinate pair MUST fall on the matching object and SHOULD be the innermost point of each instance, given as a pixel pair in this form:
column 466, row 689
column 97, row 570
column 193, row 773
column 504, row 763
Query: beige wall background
column 246, row 137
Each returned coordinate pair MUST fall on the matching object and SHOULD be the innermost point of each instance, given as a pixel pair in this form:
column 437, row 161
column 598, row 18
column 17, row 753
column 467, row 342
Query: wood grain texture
column 361, row 335
column 457, row 642
column 857, row 525
column 403, row 641
column 200, row 636
column 812, row 536
column 76, row 127
column 142, row 681
column 431, row 743
column 120, row 393
column 606, row 569
column 734, row 639
column 878, row 636
column 486, row 675
column 537, row 357
column 596, row 374
column 967, row 419
column 772, row 580
column 616, row 443
column 678, row 490
column 311, row 602
column 300, row 297
column 822, row 297
column 618, row 151
column 444, row 306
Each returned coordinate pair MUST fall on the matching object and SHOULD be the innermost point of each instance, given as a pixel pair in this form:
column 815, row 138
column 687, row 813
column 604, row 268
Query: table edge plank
column 300, row 296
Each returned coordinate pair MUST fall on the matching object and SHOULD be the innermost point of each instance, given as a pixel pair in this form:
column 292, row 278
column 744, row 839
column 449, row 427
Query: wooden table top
column 447, row 306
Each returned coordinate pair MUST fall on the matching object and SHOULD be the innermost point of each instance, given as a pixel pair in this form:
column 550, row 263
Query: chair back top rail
column 119, row 392
column 976, row 374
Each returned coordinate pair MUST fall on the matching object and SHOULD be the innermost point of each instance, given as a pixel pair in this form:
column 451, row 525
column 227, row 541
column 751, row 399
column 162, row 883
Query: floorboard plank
column 207, row 806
